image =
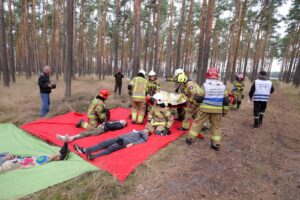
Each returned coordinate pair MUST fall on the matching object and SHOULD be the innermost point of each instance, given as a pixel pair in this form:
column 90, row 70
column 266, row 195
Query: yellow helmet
column 182, row 78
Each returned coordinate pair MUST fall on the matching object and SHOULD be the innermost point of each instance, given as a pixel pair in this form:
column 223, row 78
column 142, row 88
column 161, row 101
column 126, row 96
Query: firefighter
column 179, row 90
column 137, row 89
column 213, row 100
column 259, row 93
column 160, row 118
column 153, row 84
column 238, row 87
column 97, row 112
column 190, row 89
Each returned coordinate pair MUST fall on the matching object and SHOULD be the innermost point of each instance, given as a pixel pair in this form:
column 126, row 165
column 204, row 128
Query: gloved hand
column 177, row 90
column 107, row 114
column 243, row 96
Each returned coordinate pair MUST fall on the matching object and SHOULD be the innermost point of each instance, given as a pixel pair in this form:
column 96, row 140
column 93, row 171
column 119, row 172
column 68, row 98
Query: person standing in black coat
column 118, row 82
column 45, row 90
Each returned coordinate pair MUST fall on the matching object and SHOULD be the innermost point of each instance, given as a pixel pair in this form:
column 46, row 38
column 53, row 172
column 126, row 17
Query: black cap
column 263, row 73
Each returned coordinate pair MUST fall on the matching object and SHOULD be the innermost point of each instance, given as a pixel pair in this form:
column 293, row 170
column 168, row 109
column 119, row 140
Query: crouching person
column 97, row 113
column 102, row 128
column 160, row 118
column 114, row 144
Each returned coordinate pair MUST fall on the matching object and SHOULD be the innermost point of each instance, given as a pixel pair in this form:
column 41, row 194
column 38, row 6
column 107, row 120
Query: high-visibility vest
column 96, row 109
column 262, row 90
column 214, row 96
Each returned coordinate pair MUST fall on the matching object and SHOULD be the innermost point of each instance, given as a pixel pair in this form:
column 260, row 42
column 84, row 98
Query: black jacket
column 44, row 82
column 118, row 78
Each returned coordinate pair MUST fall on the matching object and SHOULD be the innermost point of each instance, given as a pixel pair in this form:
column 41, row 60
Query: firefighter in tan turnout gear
column 97, row 113
column 190, row 89
column 137, row 89
column 213, row 100
column 153, row 84
column 160, row 118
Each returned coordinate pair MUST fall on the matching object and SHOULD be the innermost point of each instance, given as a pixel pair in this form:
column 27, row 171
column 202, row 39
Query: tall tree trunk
column 296, row 78
column 241, row 23
column 81, row 56
column 11, row 46
column 210, row 15
column 116, row 38
column 169, row 45
column 200, row 70
column 70, row 7
column 156, row 67
column 45, row 33
column 137, row 37
column 3, row 56
column 180, row 28
column 215, row 44
column 250, row 34
column 189, row 24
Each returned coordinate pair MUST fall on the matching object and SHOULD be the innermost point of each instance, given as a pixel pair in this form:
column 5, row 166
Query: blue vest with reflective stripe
column 262, row 90
column 214, row 93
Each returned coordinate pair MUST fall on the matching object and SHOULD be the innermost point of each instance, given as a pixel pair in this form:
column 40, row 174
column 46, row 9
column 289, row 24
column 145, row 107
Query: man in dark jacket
column 102, row 128
column 259, row 94
column 45, row 90
column 118, row 81
column 114, row 144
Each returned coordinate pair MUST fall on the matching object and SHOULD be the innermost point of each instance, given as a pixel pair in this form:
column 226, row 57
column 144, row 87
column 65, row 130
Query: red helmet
column 212, row 73
column 104, row 93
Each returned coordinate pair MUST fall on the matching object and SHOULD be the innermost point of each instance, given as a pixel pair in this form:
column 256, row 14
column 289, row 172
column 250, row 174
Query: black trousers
column 118, row 87
column 259, row 109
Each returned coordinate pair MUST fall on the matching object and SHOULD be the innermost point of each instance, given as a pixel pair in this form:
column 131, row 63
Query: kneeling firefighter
column 160, row 118
column 97, row 113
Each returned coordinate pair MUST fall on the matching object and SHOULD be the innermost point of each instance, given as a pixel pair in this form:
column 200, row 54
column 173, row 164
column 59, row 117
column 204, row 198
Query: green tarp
column 21, row 182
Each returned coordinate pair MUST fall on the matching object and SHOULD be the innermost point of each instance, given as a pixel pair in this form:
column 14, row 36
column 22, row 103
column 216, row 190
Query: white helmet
column 178, row 71
column 142, row 72
column 159, row 98
column 152, row 73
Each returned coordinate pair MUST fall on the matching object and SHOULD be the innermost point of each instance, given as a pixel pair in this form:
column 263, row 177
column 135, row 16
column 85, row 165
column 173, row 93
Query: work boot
column 260, row 120
column 189, row 140
column 64, row 152
column 182, row 129
column 238, row 104
column 256, row 123
column 215, row 147
column 79, row 149
column 78, row 125
column 90, row 156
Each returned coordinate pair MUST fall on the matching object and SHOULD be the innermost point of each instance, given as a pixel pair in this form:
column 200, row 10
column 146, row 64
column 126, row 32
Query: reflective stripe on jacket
column 262, row 90
column 139, row 87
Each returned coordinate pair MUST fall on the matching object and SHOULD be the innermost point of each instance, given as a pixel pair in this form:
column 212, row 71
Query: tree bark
column 116, row 37
column 156, row 67
column 70, row 8
column 169, row 45
column 11, row 45
column 200, row 70
column 137, row 35
column 180, row 28
column 3, row 55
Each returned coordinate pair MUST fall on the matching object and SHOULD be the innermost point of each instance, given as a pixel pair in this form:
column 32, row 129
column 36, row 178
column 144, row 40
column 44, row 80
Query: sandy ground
column 253, row 163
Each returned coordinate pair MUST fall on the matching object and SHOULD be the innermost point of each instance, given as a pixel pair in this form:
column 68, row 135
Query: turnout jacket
column 159, row 116
column 97, row 109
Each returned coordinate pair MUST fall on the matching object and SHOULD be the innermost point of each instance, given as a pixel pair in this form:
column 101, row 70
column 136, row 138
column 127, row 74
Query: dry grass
column 291, row 92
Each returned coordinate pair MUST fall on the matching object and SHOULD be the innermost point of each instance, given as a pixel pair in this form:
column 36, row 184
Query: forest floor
column 251, row 164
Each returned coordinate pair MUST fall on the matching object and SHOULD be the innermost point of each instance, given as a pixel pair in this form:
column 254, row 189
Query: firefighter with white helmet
column 160, row 118
column 137, row 89
column 153, row 84
column 213, row 100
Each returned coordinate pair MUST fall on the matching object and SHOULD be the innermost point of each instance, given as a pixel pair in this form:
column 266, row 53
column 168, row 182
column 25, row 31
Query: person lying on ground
column 10, row 161
column 102, row 128
column 114, row 144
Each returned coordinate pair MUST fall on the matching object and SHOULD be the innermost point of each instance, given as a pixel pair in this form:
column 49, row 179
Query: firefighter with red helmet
column 213, row 103
column 237, row 90
column 97, row 113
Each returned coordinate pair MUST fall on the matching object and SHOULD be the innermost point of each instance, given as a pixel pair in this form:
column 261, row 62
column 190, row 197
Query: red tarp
column 120, row 163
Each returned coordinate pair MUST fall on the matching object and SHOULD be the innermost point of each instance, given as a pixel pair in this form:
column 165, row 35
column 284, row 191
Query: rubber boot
column 260, row 120
column 256, row 123
column 215, row 147
column 238, row 104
